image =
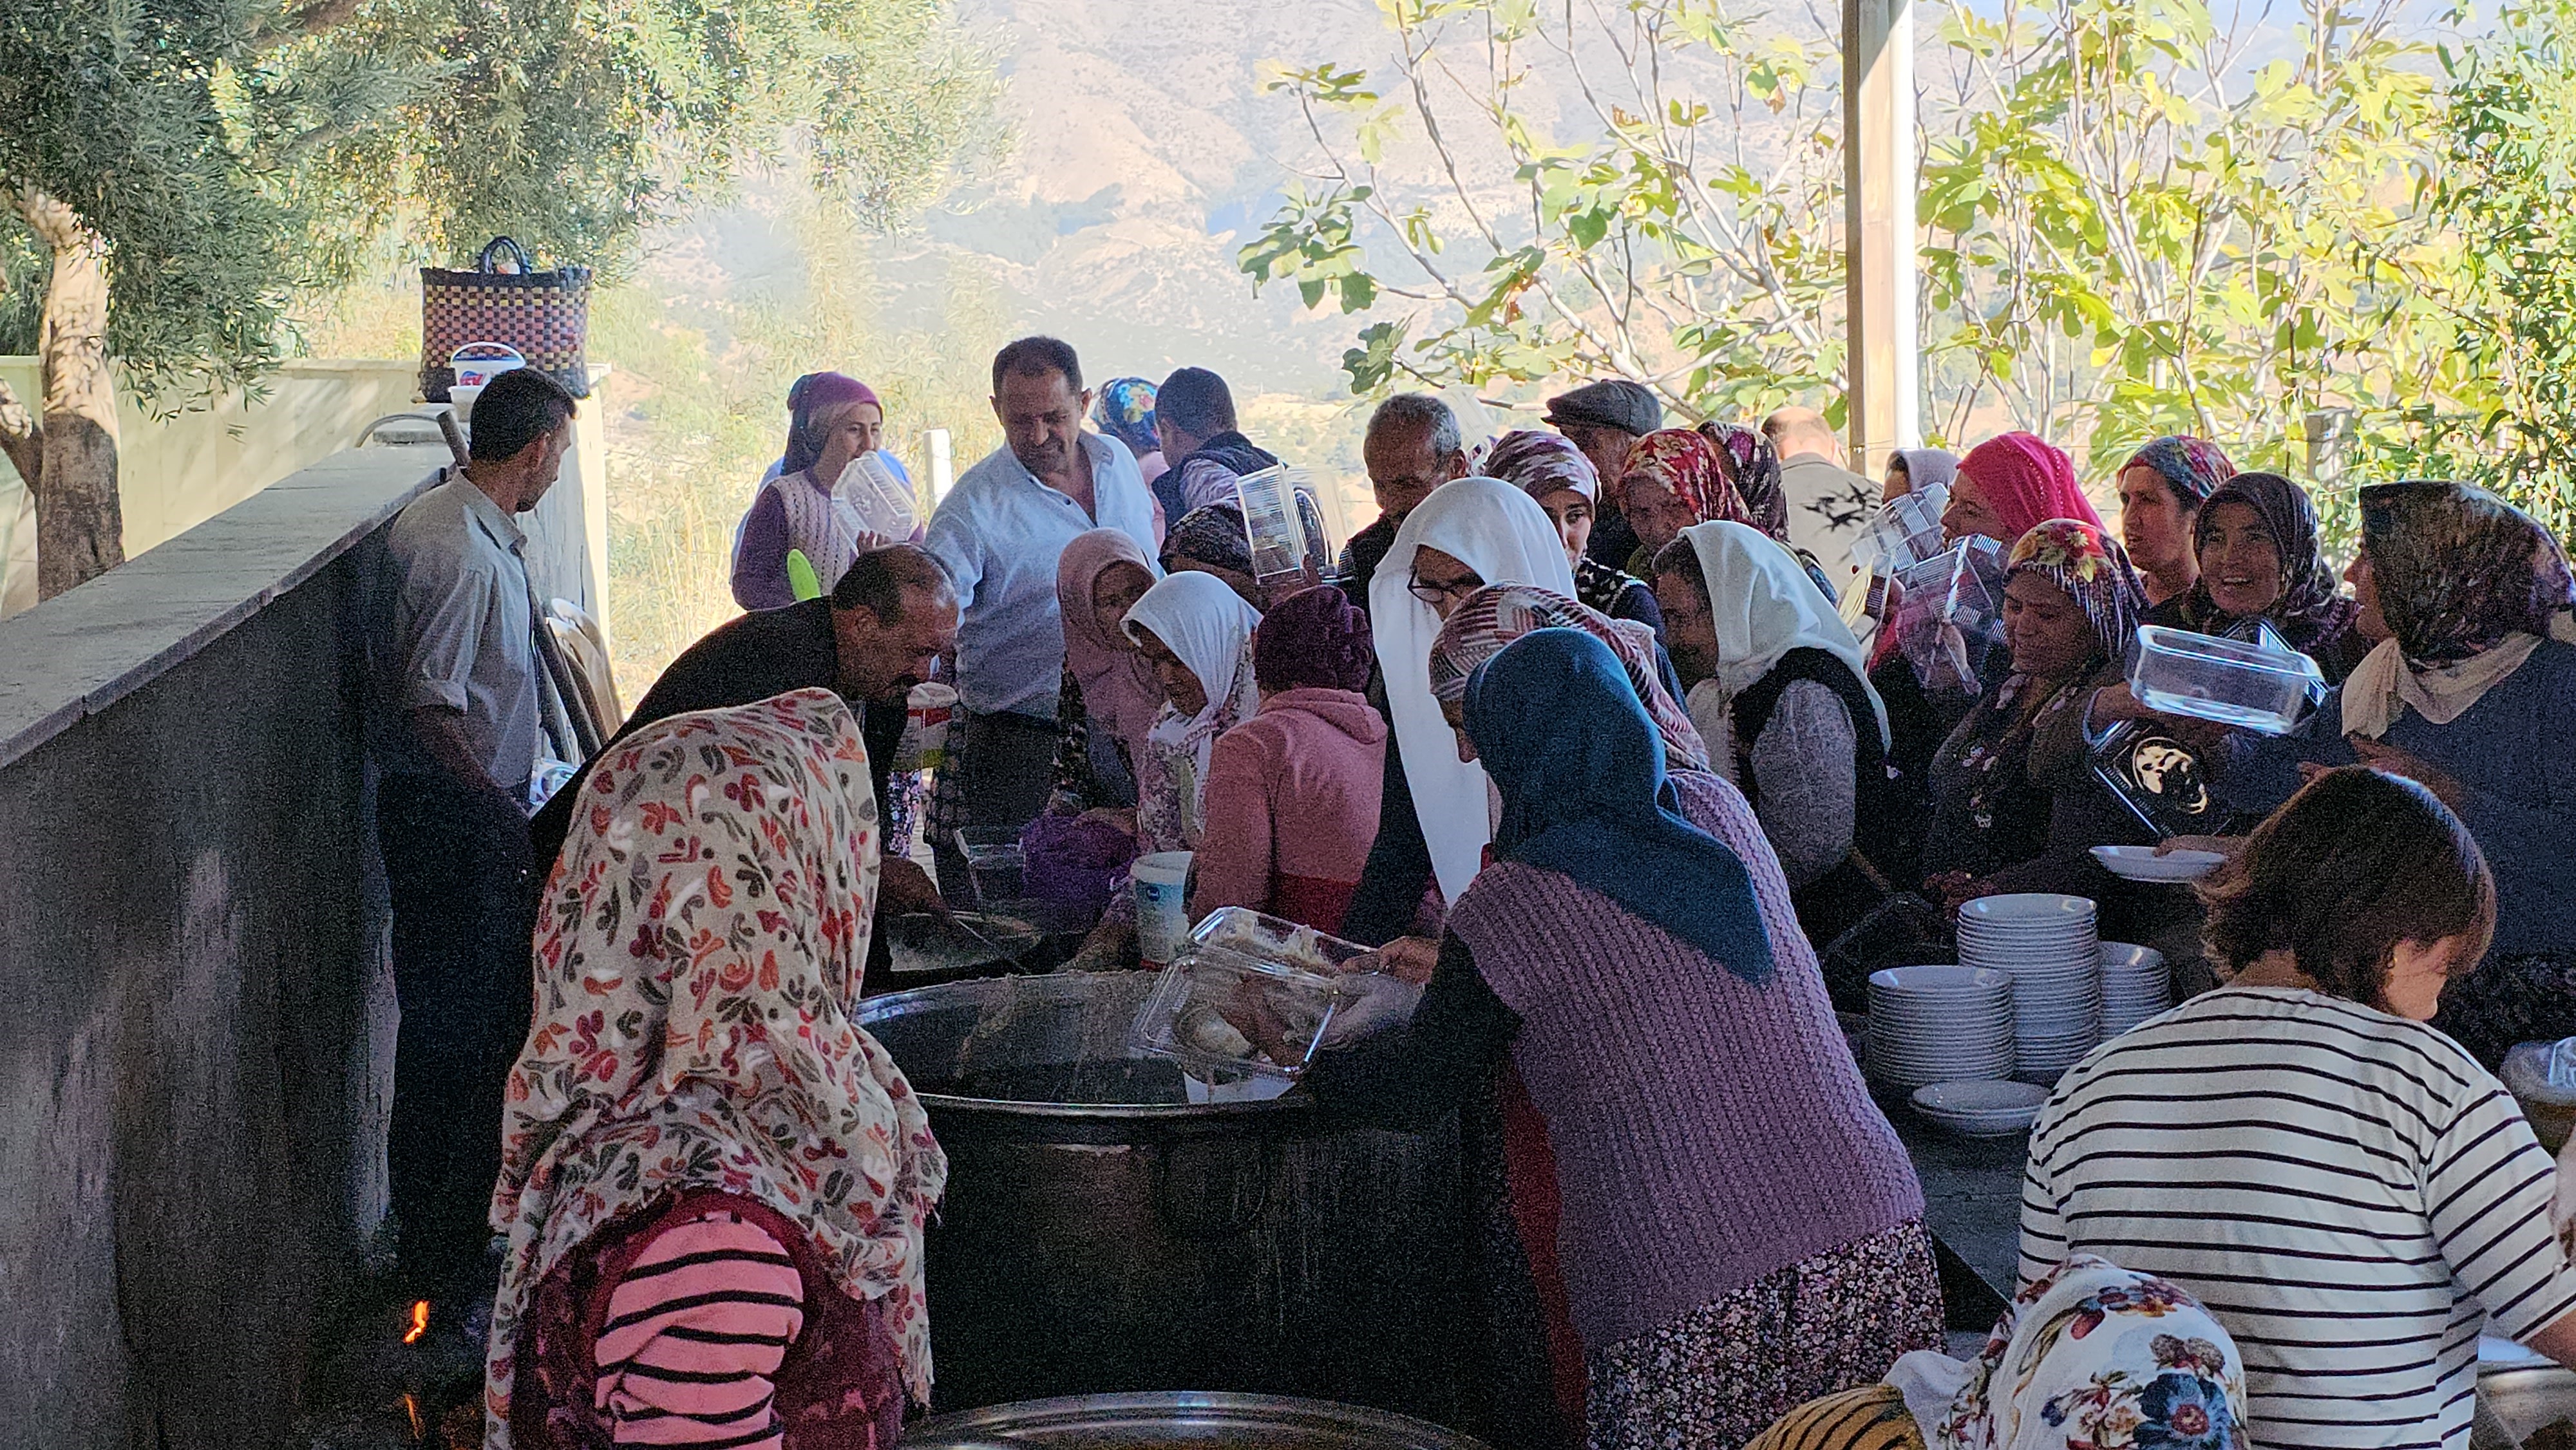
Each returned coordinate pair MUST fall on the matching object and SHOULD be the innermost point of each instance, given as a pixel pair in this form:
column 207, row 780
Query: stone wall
column 196, row 1051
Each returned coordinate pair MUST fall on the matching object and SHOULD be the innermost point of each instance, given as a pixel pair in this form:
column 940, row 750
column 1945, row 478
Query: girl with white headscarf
column 1196, row 633
column 1436, row 820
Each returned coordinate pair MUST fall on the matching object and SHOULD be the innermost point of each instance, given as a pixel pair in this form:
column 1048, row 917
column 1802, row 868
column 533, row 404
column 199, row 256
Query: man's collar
column 496, row 521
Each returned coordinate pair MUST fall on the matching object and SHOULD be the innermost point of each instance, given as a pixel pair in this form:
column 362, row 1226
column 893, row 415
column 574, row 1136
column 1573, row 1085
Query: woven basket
column 545, row 315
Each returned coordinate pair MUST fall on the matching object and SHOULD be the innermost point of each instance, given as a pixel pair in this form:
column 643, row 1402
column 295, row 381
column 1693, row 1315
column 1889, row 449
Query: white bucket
column 1162, row 910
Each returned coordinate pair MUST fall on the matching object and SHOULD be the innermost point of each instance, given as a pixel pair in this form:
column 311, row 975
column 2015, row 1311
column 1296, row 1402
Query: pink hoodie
column 1292, row 799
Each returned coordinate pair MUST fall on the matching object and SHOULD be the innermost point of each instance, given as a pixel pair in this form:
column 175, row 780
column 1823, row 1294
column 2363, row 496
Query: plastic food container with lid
column 1902, row 534
column 2248, row 686
column 1239, row 960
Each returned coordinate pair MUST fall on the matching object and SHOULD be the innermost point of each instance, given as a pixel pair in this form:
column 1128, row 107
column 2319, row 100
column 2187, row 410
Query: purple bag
column 1074, row 862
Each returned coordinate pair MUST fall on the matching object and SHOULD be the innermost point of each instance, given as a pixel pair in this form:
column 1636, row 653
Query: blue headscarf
column 1558, row 727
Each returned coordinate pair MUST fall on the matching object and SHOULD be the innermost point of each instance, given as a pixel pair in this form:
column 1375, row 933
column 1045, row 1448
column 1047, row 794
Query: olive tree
column 177, row 170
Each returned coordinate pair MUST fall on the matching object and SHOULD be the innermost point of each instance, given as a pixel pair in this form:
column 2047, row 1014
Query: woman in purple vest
column 1741, row 1230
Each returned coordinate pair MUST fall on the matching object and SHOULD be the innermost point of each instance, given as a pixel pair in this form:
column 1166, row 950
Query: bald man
column 1811, row 472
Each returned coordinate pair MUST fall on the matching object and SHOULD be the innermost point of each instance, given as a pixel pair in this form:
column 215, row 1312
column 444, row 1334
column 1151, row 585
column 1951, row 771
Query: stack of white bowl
column 2136, row 985
column 2049, row 946
column 1939, row 1024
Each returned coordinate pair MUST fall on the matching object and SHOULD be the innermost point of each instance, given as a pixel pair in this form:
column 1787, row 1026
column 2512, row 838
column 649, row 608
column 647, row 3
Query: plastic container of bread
column 1241, row 965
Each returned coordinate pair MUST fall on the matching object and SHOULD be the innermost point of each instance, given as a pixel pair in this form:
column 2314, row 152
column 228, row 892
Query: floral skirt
column 1720, row 1374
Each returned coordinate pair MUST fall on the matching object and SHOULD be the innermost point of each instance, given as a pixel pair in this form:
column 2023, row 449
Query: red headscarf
column 1686, row 461
column 2028, row 481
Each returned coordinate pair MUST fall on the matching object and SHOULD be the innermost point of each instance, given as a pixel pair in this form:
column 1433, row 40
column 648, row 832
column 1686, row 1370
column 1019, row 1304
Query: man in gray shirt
column 468, row 689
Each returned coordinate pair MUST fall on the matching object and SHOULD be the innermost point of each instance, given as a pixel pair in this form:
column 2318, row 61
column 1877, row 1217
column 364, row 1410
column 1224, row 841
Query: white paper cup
column 1161, row 882
column 928, row 711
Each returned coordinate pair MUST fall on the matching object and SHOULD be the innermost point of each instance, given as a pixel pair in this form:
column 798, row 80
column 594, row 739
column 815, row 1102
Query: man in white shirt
column 1000, row 532
column 468, row 688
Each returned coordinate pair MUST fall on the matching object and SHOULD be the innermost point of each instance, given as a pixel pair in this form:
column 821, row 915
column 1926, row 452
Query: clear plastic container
column 1283, row 522
column 2247, row 686
column 1948, row 614
column 1241, row 965
column 1902, row 534
column 994, row 861
column 883, row 503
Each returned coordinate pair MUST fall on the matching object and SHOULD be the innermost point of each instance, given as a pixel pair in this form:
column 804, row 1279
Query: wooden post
column 1878, row 229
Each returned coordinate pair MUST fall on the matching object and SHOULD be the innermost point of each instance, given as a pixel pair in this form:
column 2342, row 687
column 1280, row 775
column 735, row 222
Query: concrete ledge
column 81, row 652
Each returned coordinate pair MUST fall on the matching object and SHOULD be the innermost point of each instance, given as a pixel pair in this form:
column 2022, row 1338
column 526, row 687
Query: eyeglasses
column 1434, row 591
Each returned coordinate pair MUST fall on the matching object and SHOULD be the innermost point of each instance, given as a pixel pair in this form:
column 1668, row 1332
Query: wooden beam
column 1879, row 237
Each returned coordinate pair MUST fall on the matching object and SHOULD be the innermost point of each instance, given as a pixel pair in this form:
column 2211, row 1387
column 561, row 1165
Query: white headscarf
column 1203, row 622
column 1501, row 533
column 1764, row 606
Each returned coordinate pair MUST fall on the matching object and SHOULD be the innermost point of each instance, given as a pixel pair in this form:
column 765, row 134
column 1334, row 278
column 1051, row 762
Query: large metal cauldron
column 1101, row 1235
column 1180, row 1422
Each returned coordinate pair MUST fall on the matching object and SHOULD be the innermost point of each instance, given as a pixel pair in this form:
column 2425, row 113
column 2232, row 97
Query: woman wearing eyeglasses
column 1433, row 823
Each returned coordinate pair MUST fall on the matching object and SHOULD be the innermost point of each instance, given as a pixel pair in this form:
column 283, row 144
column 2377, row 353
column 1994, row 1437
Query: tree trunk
column 80, row 525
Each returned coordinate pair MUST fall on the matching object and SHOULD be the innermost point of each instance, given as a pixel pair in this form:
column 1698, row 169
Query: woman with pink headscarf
column 2009, row 485
column 832, row 420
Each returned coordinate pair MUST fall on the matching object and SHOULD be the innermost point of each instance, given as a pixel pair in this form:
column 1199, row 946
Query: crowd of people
column 1581, row 735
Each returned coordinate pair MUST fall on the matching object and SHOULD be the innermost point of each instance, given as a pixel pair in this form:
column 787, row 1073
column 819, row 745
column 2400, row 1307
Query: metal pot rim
column 1025, row 1422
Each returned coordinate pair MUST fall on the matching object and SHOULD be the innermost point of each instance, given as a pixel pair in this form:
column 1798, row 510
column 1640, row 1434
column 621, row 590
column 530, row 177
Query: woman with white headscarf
column 1779, row 689
column 1436, row 818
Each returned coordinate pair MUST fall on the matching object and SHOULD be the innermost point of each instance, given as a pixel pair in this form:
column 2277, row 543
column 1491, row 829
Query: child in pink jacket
column 1292, row 793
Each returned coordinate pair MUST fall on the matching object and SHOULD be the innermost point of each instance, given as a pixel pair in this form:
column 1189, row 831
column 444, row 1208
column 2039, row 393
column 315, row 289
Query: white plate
column 2141, row 863
column 1981, row 1109
column 2027, row 908
column 1945, row 980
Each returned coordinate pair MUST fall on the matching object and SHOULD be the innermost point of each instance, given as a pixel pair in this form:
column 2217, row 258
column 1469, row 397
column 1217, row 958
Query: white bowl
column 1945, row 980
column 1981, row 1109
column 2141, row 863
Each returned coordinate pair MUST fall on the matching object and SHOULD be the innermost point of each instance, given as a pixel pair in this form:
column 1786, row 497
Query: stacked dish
column 1982, row 1109
column 2136, row 985
column 1939, row 1024
column 2048, row 946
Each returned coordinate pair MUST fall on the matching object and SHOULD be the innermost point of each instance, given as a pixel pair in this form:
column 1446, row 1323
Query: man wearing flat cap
column 1605, row 420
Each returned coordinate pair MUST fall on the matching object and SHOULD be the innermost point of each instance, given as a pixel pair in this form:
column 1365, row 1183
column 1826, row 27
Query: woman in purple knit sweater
column 1741, row 1231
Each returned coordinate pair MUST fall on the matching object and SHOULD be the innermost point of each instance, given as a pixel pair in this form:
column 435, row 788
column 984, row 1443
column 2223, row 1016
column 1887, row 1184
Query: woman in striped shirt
column 713, row 1181
column 2348, row 1192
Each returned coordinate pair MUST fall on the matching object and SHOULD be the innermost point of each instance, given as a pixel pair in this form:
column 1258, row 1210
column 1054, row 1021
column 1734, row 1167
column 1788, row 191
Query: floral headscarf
column 1686, row 460
column 2459, row 569
column 2090, row 1355
column 2194, row 467
column 697, row 972
column 1497, row 614
column 1757, row 476
column 2309, row 612
column 2093, row 569
column 1125, row 411
column 1540, row 464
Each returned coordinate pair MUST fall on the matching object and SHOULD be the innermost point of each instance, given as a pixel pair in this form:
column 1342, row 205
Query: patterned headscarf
column 2194, row 467
column 1209, row 629
column 1686, row 460
column 1757, row 476
column 2309, row 612
column 2459, row 569
column 1125, row 411
column 2085, row 561
column 1540, row 464
column 2089, row 1354
column 697, row 976
column 2028, row 481
column 1315, row 638
column 1212, row 535
column 1497, row 614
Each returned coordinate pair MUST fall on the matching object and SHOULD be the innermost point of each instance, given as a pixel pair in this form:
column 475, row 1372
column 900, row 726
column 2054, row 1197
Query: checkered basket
column 545, row 315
